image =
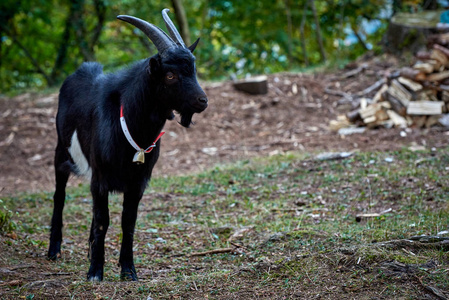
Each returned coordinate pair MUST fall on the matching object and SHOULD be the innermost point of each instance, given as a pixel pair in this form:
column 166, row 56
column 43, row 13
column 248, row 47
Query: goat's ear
column 193, row 46
column 154, row 65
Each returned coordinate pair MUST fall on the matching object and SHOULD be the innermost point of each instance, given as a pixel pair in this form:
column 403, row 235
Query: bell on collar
column 139, row 157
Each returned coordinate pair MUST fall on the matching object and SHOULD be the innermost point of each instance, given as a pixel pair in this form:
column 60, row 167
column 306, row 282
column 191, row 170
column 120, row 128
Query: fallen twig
column 215, row 251
column 354, row 72
column 344, row 95
column 420, row 244
column 238, row 246
column 12, row 283
column 358, row 218
column 57, row 273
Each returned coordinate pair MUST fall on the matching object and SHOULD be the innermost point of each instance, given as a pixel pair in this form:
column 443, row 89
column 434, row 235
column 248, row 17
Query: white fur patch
column 78, row 157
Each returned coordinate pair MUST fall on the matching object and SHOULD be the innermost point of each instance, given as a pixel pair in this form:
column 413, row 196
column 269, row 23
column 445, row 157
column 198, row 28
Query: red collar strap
column 130, row 139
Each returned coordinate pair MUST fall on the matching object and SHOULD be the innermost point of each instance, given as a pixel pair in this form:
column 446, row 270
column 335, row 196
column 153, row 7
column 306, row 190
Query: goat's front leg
column 100, row 224
column 131, row 201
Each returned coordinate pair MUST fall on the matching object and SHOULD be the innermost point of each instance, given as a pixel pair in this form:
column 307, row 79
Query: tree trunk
column 100, row 10
column 80, row 30
column 303, row 37
column 289, row 30
column 318, row 31
column 63, row 47
column 181, row 19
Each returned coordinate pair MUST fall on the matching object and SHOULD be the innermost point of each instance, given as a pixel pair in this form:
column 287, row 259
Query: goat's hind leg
column 100, row 224
column 62, row 174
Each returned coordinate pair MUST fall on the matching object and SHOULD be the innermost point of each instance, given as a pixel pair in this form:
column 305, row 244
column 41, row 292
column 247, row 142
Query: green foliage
column 41, row 42
column 6, row 225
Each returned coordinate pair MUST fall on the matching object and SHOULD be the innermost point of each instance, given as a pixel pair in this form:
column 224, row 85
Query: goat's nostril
column 202, row 100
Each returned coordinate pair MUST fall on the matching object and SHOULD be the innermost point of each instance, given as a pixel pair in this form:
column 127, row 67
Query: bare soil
column 293, row 116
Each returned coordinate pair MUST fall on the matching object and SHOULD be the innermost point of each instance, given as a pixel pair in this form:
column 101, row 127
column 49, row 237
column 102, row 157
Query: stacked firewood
column 416, row 96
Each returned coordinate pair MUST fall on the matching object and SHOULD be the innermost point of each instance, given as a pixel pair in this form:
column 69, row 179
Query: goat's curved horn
column 159, row 38
column 172, row 29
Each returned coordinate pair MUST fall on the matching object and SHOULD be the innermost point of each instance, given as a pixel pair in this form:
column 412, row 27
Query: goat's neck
column 144, row 117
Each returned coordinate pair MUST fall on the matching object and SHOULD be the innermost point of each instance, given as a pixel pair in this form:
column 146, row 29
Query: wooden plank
column 425, row 107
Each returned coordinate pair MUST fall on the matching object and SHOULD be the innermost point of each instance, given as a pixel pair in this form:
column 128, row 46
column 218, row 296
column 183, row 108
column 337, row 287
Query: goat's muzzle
column 200, row 104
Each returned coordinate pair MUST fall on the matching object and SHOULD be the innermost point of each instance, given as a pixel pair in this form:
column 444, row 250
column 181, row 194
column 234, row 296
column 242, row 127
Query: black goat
column 98, row 114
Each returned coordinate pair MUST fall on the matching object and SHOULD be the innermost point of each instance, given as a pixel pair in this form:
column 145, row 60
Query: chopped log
column 254, row 85
column 445, row 95
column 438, row 55
column 419, row 121
column 429, row 94
column 371, row 88
column 378, row 97
column 443, row 49
column 341, row 122
column 398, row 120
column 410, row 84
column 396, row 105
column 354, row 72
column 424, row 67
column 408, row 32
column 412, row 74
column 373, row 113
column 432, row 120
column 442, row 39
column 381, row 115
column 425, row 107
column 354, row 116
column 399, row 92
column 370, row 119
column 423, row 55
column 437, row 66
column 438, row 76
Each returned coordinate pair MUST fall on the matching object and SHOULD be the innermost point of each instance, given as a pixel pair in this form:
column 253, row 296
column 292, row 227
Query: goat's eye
column 170, row 76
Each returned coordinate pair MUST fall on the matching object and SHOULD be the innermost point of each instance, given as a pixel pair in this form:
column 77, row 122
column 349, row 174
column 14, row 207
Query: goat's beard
column 186, row 119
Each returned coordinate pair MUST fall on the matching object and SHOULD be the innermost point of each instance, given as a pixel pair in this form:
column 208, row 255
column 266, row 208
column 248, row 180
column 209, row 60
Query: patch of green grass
column 291, row 219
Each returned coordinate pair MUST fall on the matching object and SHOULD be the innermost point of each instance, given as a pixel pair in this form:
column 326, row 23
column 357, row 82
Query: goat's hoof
column 54, row 252
column 95, row 275
column 129, row 274
column 53, row 256
column 94, row 278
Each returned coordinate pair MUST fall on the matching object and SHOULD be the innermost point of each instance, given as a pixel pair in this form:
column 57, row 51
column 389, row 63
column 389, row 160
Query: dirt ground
column 293, row 116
